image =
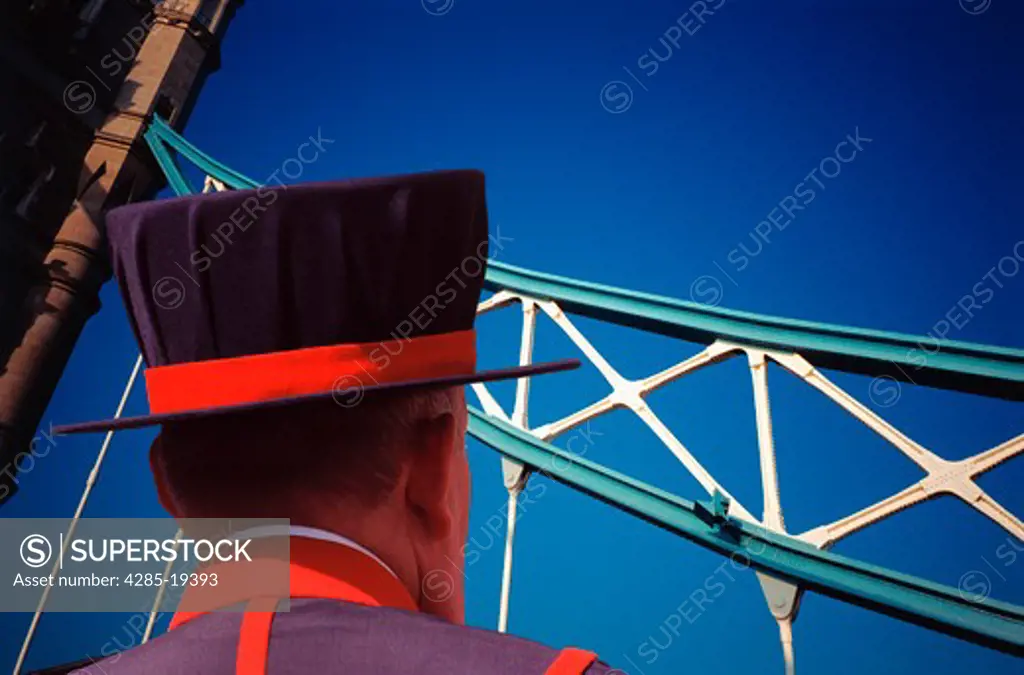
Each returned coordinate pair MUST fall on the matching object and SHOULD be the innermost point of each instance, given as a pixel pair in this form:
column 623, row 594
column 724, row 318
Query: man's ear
column 429, row 481
column 163, row 493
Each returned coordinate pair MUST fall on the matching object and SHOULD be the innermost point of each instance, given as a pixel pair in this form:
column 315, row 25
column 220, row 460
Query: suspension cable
column 90, row 482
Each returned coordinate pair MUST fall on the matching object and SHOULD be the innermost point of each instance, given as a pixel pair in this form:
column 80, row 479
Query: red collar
column 318, row 569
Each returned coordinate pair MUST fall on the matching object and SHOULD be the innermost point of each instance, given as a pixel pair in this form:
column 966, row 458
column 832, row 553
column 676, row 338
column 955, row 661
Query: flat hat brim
column 351, row 397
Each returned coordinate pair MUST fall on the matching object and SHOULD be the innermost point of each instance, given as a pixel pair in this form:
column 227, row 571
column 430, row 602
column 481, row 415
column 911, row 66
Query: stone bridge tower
column 81, row 77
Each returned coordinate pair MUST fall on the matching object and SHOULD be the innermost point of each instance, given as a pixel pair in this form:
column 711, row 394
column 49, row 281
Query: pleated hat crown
column 239, row 273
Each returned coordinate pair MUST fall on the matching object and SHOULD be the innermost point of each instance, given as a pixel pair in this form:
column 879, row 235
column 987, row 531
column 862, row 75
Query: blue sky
column 656, row 187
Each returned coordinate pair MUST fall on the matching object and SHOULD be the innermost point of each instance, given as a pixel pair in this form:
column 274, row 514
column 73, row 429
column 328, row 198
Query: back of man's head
column 284, row 462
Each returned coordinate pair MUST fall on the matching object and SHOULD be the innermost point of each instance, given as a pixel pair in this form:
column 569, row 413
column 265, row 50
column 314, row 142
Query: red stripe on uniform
column 343, row 369
column 571, row 661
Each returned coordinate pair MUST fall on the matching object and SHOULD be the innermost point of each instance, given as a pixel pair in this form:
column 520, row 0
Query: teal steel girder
column 947, row 364
column 160, row 133
column 175, row 178
column 991, row 623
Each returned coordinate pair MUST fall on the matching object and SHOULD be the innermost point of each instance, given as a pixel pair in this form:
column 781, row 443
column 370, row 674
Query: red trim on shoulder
column 254, row 643
column 571, row 661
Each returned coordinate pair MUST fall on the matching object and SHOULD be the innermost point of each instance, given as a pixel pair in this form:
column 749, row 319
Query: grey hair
column 402, row 413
